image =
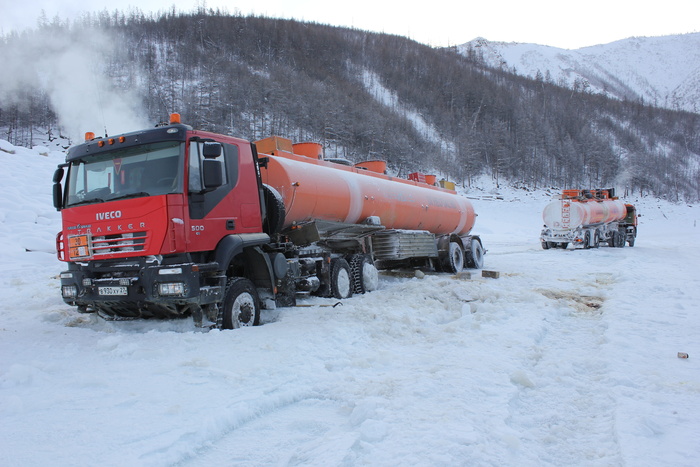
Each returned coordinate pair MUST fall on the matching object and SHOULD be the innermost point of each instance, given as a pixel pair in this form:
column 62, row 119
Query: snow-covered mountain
column 663, row 71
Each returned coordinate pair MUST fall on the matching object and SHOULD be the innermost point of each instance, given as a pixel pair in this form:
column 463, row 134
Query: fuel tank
column 568, row 214
column 320, row 190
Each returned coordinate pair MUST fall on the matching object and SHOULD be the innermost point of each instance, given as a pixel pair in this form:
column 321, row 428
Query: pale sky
column 558, row 23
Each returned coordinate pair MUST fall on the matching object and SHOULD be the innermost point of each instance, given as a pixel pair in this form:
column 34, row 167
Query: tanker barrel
column 316, row 190
column 569, row 214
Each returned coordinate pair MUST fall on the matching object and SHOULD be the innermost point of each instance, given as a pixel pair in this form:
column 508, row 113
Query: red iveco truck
column 171, row 222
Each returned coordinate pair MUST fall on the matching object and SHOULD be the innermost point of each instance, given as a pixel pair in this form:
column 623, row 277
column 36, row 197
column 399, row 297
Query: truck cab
column 144, row 215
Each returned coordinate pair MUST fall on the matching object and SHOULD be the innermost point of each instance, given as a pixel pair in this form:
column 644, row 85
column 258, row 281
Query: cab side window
column 196, row 158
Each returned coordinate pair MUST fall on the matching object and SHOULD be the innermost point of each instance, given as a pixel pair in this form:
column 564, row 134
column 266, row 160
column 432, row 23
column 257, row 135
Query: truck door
column 231, row 208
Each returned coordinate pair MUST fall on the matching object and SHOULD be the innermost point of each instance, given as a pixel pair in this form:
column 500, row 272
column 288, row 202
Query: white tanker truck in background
column 587, row 218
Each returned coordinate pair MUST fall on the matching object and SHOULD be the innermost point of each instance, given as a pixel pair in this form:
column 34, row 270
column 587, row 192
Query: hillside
column 363, row 95
column 662, row 71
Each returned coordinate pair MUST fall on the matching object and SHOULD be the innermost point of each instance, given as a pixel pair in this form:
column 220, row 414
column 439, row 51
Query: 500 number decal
column 197, row 229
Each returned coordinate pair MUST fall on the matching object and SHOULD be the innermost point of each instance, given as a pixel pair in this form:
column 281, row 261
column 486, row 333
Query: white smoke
column 70, row 67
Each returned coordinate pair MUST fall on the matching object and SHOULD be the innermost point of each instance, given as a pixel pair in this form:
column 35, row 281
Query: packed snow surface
column 568, row 358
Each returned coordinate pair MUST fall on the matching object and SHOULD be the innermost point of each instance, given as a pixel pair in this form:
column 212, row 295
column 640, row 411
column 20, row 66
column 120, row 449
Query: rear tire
column 621, row 239
column 365, row 277
column 454, row 262
column 475, row 255
column 241, row 304
column 587, row 239
column 341, row 283
column 612, row 240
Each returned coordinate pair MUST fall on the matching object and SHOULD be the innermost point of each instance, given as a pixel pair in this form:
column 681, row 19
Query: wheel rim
column 456, row 258
column 343, row 282
column 477, row 254
column 243, row 310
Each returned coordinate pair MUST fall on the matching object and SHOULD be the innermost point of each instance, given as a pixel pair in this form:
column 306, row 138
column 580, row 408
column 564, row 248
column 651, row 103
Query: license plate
column 112, row 291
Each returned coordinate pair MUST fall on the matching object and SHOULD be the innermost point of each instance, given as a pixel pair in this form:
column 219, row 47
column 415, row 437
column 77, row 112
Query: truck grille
column 118, row 243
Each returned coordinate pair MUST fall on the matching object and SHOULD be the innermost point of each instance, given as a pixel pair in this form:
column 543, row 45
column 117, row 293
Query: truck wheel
column 365, row 277
column 612, row 240
column 454, row 262
column 241, row 304
column 587, row 239
column 275, row 211
column 475, row 255
column 341, row 285
column 620, row 240
column 545, row 245
column 596, row 240
column 630, row 241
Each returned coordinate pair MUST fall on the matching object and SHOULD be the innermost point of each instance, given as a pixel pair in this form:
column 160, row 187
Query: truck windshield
column 146, row 170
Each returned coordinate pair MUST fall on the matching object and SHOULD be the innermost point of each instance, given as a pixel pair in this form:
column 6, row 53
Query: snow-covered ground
column 569, row 358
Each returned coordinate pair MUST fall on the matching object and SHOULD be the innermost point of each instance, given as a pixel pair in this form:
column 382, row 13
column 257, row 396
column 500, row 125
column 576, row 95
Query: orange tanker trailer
column 396, row 221
column 587, row 218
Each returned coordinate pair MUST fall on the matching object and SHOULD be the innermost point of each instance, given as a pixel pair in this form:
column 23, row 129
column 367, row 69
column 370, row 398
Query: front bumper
column 573, row 237
column 142, row 288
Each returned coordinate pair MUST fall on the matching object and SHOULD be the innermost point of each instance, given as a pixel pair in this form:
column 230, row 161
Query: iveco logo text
column 101, row 216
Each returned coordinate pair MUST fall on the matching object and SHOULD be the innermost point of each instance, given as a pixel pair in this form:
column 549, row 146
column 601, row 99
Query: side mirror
column 211, row 150
column 57, row 195
column 212, row 172
column 58, row 175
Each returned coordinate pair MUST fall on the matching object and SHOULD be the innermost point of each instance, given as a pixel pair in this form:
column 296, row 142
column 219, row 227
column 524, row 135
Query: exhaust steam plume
column 70, row 67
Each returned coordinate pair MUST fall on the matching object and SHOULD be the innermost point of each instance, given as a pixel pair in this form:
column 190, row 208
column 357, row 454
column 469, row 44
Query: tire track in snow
column 562, row 409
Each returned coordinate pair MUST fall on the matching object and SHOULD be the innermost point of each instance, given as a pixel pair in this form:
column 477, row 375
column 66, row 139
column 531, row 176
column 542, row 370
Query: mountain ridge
column 663, row 71
column 363, row 96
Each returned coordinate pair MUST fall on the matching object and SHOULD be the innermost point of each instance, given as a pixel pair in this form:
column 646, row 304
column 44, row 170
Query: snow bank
column 569, row 358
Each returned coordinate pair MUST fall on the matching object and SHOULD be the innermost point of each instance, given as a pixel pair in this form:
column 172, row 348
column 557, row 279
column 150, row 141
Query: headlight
column 171, row 288
column 69, row 291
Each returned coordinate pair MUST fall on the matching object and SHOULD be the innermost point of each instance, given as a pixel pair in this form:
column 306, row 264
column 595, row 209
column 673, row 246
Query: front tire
column 241, row 304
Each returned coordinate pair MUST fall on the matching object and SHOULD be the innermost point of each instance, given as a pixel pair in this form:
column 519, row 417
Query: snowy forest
column 363, row 95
